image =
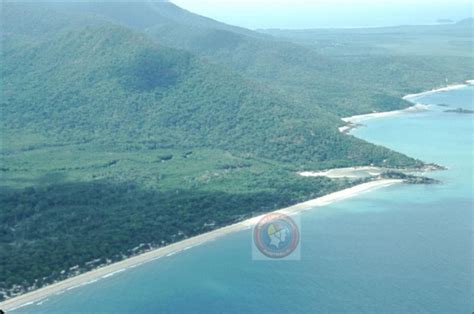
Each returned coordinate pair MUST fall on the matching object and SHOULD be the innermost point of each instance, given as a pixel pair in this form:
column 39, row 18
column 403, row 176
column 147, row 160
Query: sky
column 297, row 14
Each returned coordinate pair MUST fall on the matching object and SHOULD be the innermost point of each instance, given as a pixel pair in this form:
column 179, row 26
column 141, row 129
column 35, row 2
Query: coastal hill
column 318, row 67
column 126, row 127
column 114, row 85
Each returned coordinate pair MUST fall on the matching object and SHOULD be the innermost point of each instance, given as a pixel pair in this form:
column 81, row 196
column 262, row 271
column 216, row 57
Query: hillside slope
column 334, row 71
column 109, row 84
column 113, row 144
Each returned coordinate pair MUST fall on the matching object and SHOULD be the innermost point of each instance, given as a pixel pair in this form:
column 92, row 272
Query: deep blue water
column 398, row 249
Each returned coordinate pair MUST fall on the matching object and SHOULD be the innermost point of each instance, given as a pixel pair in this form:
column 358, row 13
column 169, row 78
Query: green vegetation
column 344, row 72
column 117, row 86
column 408, row 178
column 125, row 127
column 63, row 223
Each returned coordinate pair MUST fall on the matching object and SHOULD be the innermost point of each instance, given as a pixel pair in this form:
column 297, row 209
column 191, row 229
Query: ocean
column 304, row 14
column 403, row 248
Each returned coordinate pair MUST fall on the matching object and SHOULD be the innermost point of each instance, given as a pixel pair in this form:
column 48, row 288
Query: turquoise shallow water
column 397, row 249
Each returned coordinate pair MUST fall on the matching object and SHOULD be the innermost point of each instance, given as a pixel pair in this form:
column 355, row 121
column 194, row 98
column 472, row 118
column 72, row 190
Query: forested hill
column 107, row 83
column 344, row 71
column 143, row 15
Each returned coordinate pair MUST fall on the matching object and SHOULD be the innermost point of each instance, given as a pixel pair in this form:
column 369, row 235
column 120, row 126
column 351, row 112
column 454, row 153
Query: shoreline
column 41, row 295
column 362, row 117
column 353, row 121
column 438, row 90
column 346, row 172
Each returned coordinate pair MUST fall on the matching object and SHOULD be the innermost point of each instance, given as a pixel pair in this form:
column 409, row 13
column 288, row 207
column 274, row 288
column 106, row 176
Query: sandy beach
column 353, row 121
column 409, row 97
column 362, row 117
column 40, row 295
column 348, row 172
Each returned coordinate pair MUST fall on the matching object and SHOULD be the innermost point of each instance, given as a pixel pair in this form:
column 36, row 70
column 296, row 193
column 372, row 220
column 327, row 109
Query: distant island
column 444, row 21
column 460, row 110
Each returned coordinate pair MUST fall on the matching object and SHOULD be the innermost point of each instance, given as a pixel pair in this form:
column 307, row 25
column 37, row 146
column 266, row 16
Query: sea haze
column 398, row 249
column 291, row 14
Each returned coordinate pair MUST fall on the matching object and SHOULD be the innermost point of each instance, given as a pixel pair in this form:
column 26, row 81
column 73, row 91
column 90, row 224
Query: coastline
column 347, row 172
column 353, row 121
column 362, row 117
column 447, row 88
column 40, row 295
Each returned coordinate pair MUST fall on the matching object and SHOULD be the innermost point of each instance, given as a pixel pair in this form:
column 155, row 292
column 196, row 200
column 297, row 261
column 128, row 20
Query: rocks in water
column 407, row 178
column 421, row 180
column 460, row 110
column 433, row 167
